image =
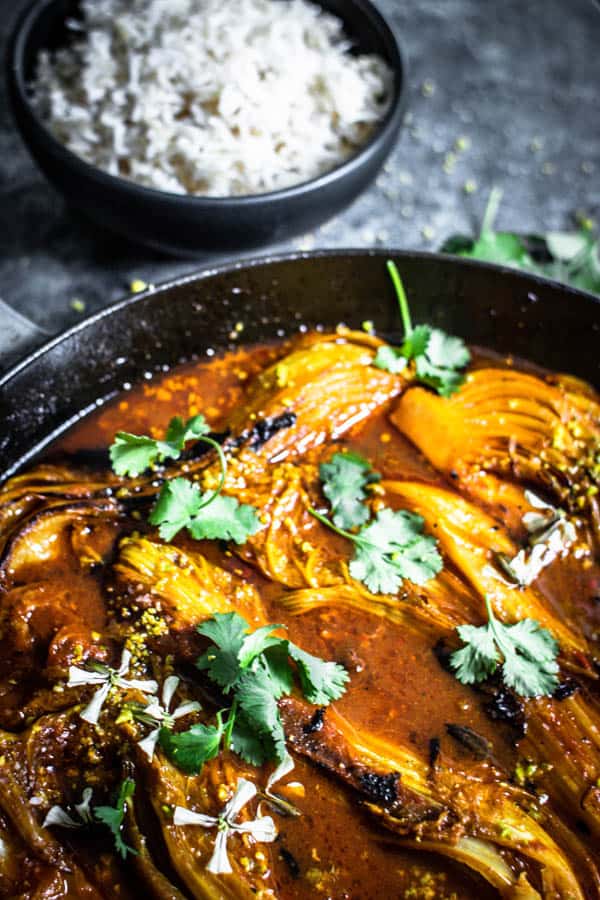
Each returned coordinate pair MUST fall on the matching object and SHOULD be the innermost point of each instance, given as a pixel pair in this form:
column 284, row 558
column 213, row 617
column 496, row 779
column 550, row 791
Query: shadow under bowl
column 186, row 225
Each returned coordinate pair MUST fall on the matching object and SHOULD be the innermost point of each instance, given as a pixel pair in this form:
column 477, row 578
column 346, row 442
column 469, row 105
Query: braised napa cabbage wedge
column 233, row 644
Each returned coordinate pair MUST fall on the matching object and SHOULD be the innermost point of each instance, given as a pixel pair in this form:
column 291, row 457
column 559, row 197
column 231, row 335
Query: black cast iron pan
column 499, row 308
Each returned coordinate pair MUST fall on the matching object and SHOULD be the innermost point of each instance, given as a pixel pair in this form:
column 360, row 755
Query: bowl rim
column 385, row 130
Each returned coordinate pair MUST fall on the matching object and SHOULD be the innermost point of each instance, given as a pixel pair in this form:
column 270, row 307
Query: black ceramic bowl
column 186, row 225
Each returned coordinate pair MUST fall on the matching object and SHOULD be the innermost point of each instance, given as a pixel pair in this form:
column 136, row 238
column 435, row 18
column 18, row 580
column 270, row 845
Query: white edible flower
column 527, row 564
column 550, row 535
column 106, row 678
column 262, row 828
column 535, row 521
column 284, row 768
column 278, row 803
column 56, row 815
column 158, row 714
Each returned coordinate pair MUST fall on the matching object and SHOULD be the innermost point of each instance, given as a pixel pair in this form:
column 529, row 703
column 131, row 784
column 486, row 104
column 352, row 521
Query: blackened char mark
column 290, row 861
column 316, row 722
column 503, row 706
column 443, row 653
column 330, row 748
column 434, row 751
column 381, row 788
column 84, row 458
column 265, row 429
column 200, row 448
column 469, row 739
column 506, row 707
column 566, row 689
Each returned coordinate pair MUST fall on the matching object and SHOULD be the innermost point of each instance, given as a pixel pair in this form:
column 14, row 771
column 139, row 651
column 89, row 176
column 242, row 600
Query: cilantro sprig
column 525, row 652
column 438, row 357
column 113, row 816
column 572, row 257
column 345, row 480
column 132, row 454
column 206, row 515
column 254, row 668
column 180, row 503
column 391, row 548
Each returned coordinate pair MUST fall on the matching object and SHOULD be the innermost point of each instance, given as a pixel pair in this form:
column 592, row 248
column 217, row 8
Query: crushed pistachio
column 450, row 160
column 281, row 375
column 462, row 143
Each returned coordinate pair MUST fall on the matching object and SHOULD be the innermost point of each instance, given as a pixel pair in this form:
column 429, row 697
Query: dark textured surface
column 518, row 80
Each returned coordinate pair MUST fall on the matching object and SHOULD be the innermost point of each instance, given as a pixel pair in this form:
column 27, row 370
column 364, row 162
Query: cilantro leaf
column 132, row 454
column 418, row 561
column 529, row 677
column 502, row 248
column 321, row 681
column 445, row 381
column 345, row 478
column 254, row 693
column 439, row 363
column 390, row 528
column 190, row 749
column 446, row 351
column 438, row 357
column 236, row 650
column 178, row 502
column 478, row 658
column 256, row 643
column 113, row 816
column 248, row 743
column 574, row 256
column 537, row 642
column 275, row 660
column 392, row 548
column 378, row 573
column 526, row 653
column 179, row 432
column 225, row 630
column 255, row 668
column 416, row 343
column 530, row 652
column 225, row 519
column 390, row 359
column 228, row 632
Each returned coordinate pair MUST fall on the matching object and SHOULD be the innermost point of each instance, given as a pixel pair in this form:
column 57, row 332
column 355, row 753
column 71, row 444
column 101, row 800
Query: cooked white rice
column 211, row 97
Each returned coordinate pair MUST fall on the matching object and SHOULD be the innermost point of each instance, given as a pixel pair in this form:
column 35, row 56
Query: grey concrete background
column 502, row 93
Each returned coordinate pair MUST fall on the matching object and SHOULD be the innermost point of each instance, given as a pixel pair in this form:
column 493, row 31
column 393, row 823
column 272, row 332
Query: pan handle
column 18, row 336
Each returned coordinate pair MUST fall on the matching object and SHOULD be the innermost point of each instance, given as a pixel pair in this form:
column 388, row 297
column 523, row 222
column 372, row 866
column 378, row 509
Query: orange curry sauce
column 398, row 690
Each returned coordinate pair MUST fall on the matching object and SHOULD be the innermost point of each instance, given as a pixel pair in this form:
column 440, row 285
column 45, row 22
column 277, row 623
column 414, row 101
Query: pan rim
column 232, row 266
